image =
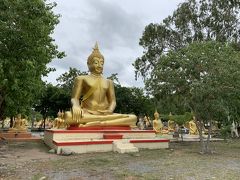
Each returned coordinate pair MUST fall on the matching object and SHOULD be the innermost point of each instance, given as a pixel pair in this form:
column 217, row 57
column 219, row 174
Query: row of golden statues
column 20, row 125
column 158, row 126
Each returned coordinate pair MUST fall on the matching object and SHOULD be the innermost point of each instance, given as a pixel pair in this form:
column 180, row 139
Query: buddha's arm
column 111, row 96
column 76, row 93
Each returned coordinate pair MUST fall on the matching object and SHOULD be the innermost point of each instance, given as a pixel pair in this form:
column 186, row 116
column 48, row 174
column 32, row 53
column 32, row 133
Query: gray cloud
column 111, row 25
column 116, row 25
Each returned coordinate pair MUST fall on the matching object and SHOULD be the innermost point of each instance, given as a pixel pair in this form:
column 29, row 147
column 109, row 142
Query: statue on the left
column 18, row 124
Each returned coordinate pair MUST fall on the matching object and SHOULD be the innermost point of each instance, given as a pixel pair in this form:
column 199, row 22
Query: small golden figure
column 18, row 125
column 157, row 123
column 193, row 127
column 59, row 122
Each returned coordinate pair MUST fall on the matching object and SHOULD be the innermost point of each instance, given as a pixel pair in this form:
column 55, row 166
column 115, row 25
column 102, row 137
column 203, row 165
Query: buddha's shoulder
column 90, row 78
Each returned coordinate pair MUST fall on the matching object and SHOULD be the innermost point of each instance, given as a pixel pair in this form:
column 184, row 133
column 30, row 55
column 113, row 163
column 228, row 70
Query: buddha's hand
column 106, row 112
column 77, row 113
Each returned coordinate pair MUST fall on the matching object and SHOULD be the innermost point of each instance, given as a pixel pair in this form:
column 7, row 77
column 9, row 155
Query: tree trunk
column 205, row 144
column 2, row 122
column 199, row 124
column 44, row 121
column 11, row 122
column 208, row 150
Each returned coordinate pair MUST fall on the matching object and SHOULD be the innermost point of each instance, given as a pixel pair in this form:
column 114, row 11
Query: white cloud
column 116, row 25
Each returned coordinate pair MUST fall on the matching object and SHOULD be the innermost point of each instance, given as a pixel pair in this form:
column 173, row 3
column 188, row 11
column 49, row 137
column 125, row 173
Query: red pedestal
column 19, row 136
column 112, row 136
column 16, row 135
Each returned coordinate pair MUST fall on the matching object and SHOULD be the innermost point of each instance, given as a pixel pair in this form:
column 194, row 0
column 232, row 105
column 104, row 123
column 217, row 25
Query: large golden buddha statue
column 93, row 98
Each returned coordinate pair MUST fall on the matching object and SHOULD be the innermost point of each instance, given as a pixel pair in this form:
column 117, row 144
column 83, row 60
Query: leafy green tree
column 53, row 99
column 114, row 78
column 133, row 100
column 192, row 21
column 205, row 77
column 203, row 20
column 26, row 46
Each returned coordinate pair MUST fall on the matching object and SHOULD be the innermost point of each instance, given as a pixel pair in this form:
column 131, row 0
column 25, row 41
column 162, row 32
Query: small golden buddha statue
column 193, row 127
column 157, row 123
column 93, row 98
column 18, row 125
column 59, row 122
column 147, row 121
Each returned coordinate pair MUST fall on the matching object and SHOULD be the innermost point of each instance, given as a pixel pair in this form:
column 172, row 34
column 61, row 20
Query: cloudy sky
column 117, row 26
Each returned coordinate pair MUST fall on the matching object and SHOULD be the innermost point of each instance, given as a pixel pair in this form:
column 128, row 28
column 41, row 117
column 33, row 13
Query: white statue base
column 119, row 139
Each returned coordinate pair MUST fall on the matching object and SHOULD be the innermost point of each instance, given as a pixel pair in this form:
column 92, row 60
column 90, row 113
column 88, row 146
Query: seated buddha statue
column 147, row 121
column 93, row 98
column 157, row 123
column 59, row 122
column 18, row 125
column 193, row 127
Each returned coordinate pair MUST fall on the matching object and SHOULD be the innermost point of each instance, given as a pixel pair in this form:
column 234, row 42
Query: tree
column 26, row 47
column 193, row 20
column 133, row 100
column 205, row 76
column 53, row 99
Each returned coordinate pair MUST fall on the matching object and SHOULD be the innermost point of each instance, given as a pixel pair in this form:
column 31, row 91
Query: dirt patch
column 181, row 161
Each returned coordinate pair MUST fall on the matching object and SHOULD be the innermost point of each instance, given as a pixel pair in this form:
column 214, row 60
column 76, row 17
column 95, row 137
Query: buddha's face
column 19, row 116
column 97, row 65
column 156, row 116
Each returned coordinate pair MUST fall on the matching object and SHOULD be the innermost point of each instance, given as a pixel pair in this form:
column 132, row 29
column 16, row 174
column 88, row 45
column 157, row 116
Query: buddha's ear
column 90, row 67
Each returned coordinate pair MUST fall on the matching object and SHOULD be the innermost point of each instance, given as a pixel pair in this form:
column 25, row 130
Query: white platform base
column 85, row 141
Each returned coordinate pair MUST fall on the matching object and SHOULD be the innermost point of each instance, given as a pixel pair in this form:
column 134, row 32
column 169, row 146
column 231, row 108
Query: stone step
column 124, row 146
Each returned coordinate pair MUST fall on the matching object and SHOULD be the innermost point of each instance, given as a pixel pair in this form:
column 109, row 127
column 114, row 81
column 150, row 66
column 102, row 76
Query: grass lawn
column 181, row 162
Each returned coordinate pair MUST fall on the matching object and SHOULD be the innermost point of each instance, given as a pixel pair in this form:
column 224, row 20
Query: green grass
column 181, row 161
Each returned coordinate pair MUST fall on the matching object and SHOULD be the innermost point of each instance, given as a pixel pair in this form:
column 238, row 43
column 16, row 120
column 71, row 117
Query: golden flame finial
column 96, row 46
column 156, row 112
column 95, row 53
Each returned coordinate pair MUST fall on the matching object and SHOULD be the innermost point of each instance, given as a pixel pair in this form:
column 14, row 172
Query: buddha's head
column 156, row 115
column 19, row 116
column 95, row 61
column 170, row 116
column 59, row 114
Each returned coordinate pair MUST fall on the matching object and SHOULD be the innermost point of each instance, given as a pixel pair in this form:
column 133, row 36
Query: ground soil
column 182, row 161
